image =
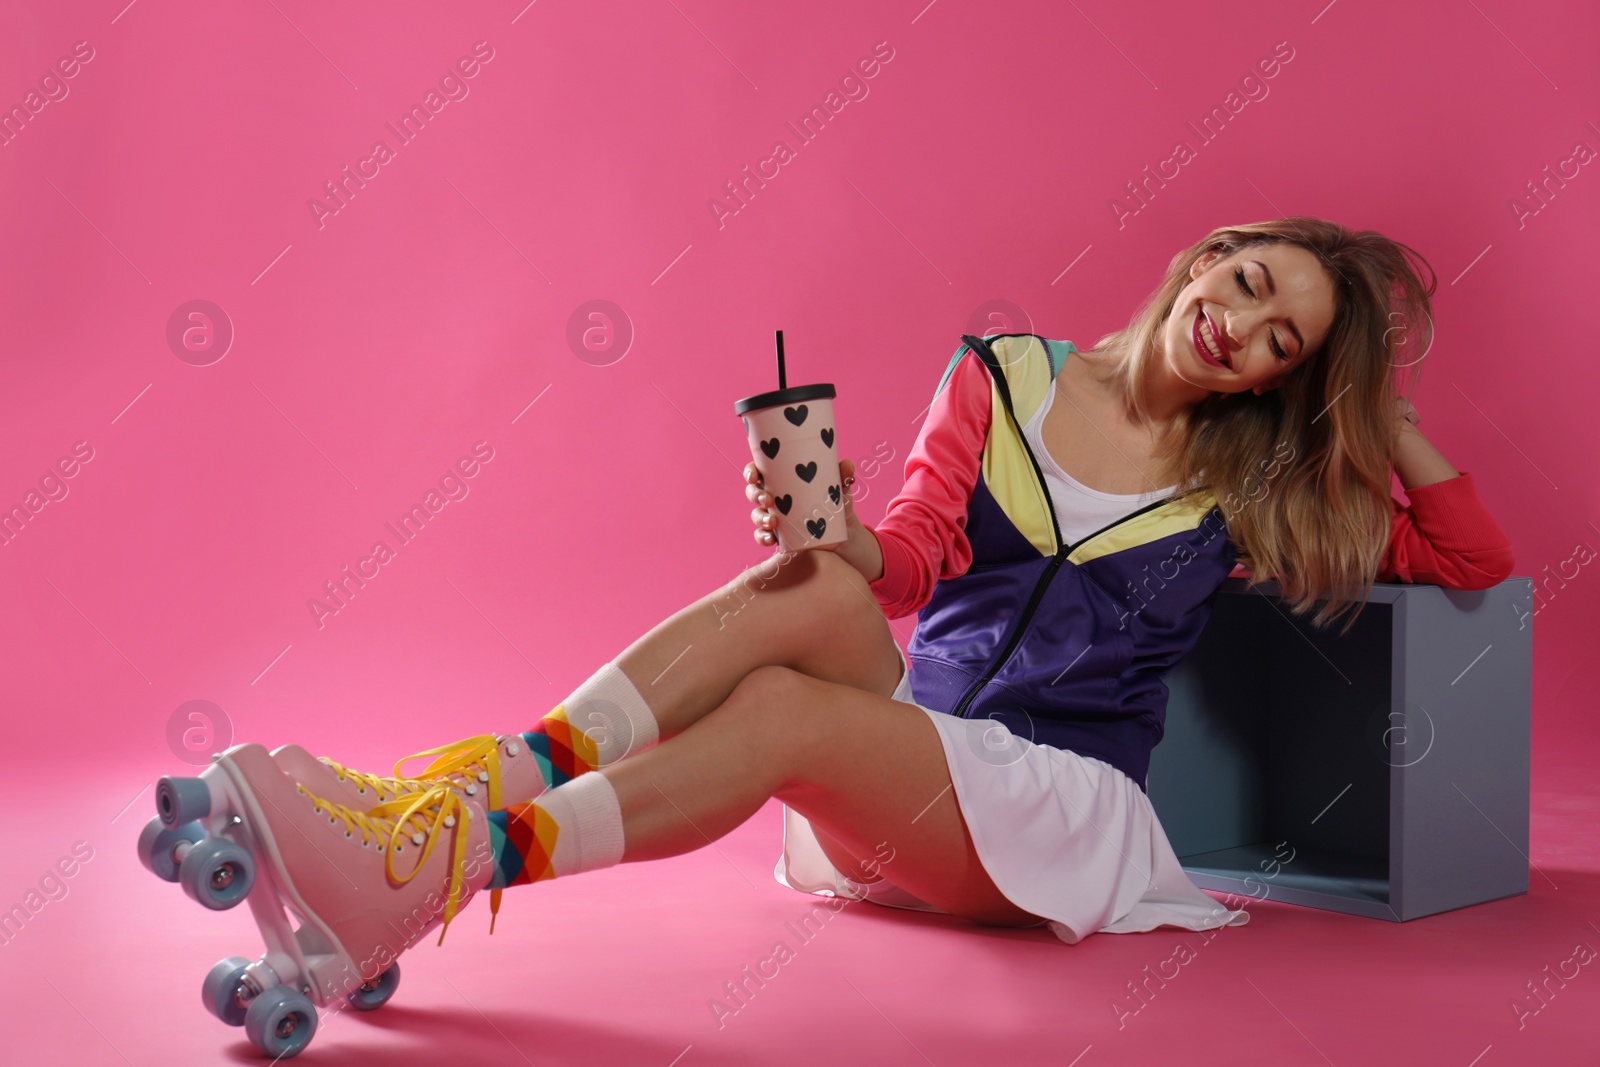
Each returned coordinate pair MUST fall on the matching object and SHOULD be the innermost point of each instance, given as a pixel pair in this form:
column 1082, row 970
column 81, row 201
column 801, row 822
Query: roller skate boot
column 365, row 883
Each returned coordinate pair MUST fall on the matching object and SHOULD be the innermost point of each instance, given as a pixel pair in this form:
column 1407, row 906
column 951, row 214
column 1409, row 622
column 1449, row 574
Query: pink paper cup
column 792, row 442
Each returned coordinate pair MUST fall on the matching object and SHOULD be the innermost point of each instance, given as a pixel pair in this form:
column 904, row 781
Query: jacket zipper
column 1033, row 601
column 981, row 347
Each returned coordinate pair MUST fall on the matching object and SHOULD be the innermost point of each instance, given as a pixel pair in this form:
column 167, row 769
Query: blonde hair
column 1324, row 525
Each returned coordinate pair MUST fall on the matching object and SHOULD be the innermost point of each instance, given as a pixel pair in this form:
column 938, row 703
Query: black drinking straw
column 783, row 382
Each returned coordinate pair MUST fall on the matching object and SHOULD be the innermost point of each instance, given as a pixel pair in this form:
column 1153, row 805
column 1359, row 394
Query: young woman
column 1066, row 521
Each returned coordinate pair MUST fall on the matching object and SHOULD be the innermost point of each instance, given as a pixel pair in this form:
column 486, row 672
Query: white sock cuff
column 590, row 817
column 610, row 711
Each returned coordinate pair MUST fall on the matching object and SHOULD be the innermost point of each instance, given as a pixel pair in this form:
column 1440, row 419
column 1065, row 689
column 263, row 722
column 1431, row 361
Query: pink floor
column 621, row 966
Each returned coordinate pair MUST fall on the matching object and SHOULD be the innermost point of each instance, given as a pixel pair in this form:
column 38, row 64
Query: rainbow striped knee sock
column 575, row 827
column 603, row 720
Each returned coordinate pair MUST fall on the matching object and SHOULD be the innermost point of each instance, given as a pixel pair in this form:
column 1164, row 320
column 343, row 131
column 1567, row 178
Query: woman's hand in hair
column 1406, row 415
column 1416, row 461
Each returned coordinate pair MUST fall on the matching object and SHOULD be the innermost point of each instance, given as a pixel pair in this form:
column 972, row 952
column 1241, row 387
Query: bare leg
column 811, row 612
column 868, row 770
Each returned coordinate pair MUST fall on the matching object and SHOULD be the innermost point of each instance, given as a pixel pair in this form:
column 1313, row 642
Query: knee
column 769, row 690
column 843, row 590
column 768, row 714
column 770, row 707
column 831, row 589
column 775, row 704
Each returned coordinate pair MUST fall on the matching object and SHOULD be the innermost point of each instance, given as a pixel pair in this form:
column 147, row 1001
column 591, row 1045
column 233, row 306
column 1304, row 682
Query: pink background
column 371, row 352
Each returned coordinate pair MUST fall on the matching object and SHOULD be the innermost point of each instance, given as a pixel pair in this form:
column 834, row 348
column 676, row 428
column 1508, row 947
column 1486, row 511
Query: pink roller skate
column 339, row 892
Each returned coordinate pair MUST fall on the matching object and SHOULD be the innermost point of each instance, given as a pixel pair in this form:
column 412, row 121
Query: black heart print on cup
column 833, row 493
column 770, row 447
column 806, row 471
column 784, row 502
column 816, row 527
column 795, row 415
column 827, row 437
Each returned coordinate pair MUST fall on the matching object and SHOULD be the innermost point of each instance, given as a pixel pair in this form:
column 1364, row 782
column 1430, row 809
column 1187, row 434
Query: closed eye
column 1272, row 338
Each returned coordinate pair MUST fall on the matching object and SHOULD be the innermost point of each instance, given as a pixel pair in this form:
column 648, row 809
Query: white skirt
column 1063, row 836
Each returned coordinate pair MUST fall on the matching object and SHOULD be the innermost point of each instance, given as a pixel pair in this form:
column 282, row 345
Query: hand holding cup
column 765, row 516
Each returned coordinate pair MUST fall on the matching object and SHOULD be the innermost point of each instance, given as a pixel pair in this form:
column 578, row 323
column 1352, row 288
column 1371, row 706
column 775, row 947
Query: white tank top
column 1080, row 510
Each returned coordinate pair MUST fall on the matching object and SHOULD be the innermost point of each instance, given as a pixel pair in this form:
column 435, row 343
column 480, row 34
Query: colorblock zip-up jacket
column 1067, row 644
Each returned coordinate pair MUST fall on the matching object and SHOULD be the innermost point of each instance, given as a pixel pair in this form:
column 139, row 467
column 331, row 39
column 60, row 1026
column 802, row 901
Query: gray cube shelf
column 1381, row 773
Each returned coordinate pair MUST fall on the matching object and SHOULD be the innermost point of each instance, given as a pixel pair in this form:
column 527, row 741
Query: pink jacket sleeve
column 1446, row 537
column 923, row 530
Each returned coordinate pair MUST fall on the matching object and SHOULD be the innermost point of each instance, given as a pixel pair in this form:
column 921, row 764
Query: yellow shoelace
column 385, row 788
column 424, row 814
column 467, row 757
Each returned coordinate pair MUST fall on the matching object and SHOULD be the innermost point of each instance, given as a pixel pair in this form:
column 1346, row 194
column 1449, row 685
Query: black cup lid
column 792, row 395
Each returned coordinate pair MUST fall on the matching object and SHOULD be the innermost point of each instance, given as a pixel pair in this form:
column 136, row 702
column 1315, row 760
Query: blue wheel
column 376, row 993
column 280, row 1022
column 217, row 873
column 157, row 845
column 226, row 992
column 181, row 800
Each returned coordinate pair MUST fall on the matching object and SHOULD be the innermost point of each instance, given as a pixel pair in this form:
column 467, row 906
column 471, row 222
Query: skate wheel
column 181, row 800
column 376, row 993
column 226, row 992
column 217, row 873
column 157, row 845
column 280, row 1022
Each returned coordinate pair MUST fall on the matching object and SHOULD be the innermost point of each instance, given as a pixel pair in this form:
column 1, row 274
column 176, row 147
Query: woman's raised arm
column 1447, row 536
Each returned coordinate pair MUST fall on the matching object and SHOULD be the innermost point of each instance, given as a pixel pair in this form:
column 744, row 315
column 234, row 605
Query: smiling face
column 1246, row 319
